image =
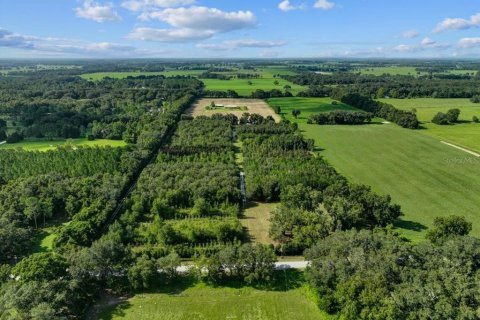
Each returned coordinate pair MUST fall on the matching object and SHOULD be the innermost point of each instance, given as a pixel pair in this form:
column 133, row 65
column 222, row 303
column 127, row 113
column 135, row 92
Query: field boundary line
column 461, row 148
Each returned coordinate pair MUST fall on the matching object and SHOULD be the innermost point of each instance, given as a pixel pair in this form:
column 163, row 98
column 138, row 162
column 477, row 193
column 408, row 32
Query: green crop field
column 427, row 178
column 465, row 134
column 206, row 302
column 45, row 145
column 308, row 106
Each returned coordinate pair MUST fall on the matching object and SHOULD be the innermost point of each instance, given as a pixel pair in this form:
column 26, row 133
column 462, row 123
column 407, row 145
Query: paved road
column 278, row 265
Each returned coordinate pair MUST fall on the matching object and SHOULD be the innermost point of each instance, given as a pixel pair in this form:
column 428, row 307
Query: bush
column 3, row 135
column 15, row 137
column 475, row 119
column 440, row 119
column 90, row 137
column 452, row 115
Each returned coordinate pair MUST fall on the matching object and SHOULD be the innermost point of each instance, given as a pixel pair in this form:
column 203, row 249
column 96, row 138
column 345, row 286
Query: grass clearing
column 427, row 178
column 202, row 301
column 307, row 106
column 244, row 87
column 465, row 133
column 256, row 219
column 46, row 145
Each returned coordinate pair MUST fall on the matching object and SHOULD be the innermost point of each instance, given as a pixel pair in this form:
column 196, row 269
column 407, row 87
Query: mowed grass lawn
column 465, row 134
column 45, row 145
column 220, row 303
column 426, row 177
column 307, row 106
column 256, row 219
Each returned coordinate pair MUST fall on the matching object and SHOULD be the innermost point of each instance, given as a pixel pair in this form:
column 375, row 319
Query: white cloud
column 241, row 43
column 203, row 18
column 193, row 23
column 169, row 35
column 285, row 5
column 269, row 54
column 137, row 5
column 428, row 42
column 324, row 4
column 92, row 10
column 61, row 46
column 424, row 45
column 410, row 34
column 468, row 42
column 458, row 23
column 406, row 48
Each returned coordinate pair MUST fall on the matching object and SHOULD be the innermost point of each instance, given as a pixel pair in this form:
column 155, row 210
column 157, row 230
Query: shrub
column 440, row 119
column 475, row 119
column 15, row 137
column 452, row 115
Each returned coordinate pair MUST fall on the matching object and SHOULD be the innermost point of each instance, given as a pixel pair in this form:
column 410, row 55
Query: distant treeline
column 394, row 86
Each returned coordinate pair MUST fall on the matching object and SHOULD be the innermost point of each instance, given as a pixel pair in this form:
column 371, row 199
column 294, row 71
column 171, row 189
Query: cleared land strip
column 233, row 106
column 460, row 148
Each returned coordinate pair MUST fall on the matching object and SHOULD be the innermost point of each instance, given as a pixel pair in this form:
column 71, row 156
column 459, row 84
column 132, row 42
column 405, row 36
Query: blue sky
column 239, row 28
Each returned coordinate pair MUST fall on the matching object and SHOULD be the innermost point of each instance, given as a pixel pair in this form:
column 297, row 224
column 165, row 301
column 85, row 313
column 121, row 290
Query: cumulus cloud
column 410, row 34
column 192, row 23
column 458, row 23
column 137, row 5
column 285, row 5
column 466, row 43
column 241, row 43
column 324, row 4
column 203, row 18
column 92, row 10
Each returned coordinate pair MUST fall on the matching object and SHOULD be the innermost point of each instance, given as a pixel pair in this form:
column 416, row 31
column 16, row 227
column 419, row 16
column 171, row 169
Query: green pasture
column 45, row 145
column 241, row 86
column 465, row 134
column 307, row 106
column 427, row 178
column 203, row 301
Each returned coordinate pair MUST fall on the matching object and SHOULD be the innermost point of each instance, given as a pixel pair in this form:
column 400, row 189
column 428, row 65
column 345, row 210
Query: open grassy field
column 219, row 303
column 307, row 106
column 199, row 108
column 241, row 86
column 45, row 145
column 255, row 219
column 427, row 178
column 401, row 70
column 465, row 133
